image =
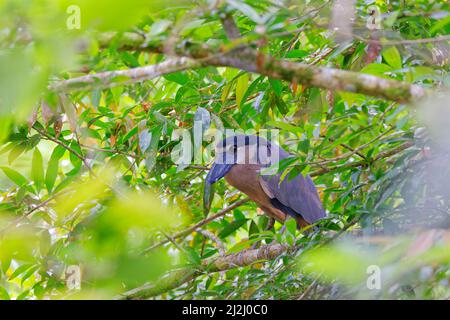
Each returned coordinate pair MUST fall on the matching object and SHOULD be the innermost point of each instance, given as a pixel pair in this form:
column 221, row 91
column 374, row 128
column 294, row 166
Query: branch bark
column 230, row 27
column 248, row 59
column 116, row 78
column 181, row 276
column 220, row 246
column 325, row 78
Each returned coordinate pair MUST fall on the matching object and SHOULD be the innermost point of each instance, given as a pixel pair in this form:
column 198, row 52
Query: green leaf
column 392, row 57
column 64, row 183
column 29, row 273
column 277, row 86
column 23, row 295
column 232, row 227
column 281, row 105
column 296, row 54
column 241, row 88
column 5, row 264
column 304, row 146
column 440, row 25
column 377, row 69
column 252, row 87
column 74, row 160
column 38, row 291
column 225, row 92
column 15, row 153
column 291, row 226
column 21, row 269
column 401, row 122
column 193, row 255
column 253, row 229
column 129, row 134
column 5, row 124
column 15, row 176
column 245, row 244
column 53, row 166
column 421, row 73
column 246, row 10
column 159, row 27
column 37, row 169
column 191, row 26
column 178, row 77
column 391, row 18
column 284, row 126
column 4, row 294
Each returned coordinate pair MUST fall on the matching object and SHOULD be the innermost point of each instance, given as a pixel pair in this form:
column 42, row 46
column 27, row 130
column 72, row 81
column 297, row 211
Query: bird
column 243, row 160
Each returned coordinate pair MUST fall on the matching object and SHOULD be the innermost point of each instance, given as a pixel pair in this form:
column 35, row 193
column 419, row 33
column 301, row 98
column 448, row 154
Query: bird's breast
column 245, row 178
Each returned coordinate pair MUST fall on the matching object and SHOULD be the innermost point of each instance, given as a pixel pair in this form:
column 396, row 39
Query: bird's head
column 238, row 149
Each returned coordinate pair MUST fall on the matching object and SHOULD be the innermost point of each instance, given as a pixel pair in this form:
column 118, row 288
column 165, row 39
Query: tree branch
column 405, row 41
column 326, row 78
column 230, row 27
column 62, row 144
column 181, row 276
column 247, row 59
column 116, row 78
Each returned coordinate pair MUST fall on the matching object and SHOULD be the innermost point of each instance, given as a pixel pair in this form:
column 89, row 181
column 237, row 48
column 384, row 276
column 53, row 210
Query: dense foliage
column 88, row 177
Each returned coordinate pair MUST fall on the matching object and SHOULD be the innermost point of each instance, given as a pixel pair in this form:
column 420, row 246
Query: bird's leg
column 270, row 224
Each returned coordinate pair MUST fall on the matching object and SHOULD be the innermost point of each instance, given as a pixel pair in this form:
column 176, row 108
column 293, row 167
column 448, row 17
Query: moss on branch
column 178, row 277
column 248, row 59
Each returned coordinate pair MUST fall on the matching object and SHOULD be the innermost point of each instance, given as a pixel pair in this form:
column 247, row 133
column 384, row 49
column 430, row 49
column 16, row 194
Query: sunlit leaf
column 392, row 57
column 4, row 294
column 37, row 169
column 53, row 166
column 15, row 176
column 241, row 88
column 246, row 9
column 232, row 227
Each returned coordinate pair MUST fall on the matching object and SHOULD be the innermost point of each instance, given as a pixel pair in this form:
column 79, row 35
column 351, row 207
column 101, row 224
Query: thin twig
column 212, row 236
column 187, row 231
column 351, row 153
column 79, row 156
column 32, row 210
column 62, row 144
column 381, row 155
column 230, row 27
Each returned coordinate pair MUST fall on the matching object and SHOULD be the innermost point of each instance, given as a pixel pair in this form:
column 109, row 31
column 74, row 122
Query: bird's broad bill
column 244, row 149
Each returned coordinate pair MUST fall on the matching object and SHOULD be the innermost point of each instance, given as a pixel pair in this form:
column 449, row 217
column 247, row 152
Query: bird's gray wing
column 299, row 194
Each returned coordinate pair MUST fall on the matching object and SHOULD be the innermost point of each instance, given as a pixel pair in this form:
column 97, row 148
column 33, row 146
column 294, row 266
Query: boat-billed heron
column 241, row 159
